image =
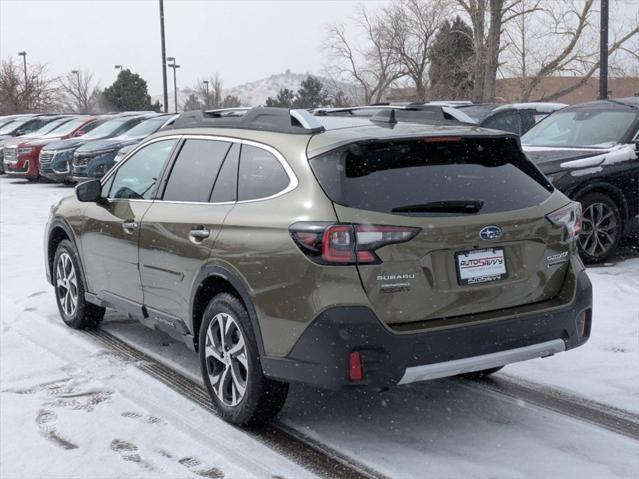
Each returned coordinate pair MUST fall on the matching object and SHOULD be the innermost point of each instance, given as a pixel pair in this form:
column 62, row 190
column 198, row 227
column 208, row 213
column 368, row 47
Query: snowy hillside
column 256, row 92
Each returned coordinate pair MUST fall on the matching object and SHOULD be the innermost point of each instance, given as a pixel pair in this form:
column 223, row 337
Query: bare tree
column 37, row 93
column 78, row 93
column 410, row 27
column 210, row 91
column 571, row 29
column 373, row 66
column 488, row 19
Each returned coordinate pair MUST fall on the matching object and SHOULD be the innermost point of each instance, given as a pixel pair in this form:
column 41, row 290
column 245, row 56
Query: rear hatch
column 482, row 241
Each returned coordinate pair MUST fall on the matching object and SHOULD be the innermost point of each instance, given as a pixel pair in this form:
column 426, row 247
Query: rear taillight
column 342, row 244
column 570, row 218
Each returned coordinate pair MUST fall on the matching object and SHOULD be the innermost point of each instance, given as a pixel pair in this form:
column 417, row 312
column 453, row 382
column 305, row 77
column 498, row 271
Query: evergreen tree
column 451, row 61
column 340, row 100
column 128, row 92
column 231, row 101
column 284, row 99
column 311, row 94
column 192, row 103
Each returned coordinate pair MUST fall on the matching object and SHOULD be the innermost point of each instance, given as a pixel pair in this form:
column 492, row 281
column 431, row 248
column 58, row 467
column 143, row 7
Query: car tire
column 69, row 289
column 231, row 367
column 601, row 228
column 480, row 374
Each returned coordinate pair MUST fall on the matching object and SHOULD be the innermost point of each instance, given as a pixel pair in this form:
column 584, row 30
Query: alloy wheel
column 67, row 284
column 226, row 359
column 599, row 229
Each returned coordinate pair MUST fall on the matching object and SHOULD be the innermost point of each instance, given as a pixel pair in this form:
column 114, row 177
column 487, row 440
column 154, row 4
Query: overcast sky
column 243, row 40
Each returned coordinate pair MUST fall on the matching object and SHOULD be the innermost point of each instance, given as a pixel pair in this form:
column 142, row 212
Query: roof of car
column 542, row 107
column 326, row 132
column 340, row 130
column 631, row 101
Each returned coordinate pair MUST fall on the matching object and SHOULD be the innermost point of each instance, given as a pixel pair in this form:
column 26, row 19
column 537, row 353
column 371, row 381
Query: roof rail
column 277, row 120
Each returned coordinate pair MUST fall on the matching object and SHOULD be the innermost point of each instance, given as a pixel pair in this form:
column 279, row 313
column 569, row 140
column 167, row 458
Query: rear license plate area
column 480, row 266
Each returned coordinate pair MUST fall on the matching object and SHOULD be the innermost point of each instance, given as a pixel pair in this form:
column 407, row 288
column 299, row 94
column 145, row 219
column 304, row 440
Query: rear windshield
column 426, row 178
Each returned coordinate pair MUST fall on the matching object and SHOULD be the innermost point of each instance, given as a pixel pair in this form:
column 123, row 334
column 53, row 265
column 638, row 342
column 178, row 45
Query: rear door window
column 195, row 170
column 261, row 175
column 424, row 178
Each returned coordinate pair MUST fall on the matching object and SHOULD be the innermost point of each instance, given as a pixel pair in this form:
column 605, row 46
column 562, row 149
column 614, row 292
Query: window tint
column 33, row 126
column 226, row 184
column 506, row 122
column 261, row 174
column 194, row 172
column 431, row 179
column 137, row 177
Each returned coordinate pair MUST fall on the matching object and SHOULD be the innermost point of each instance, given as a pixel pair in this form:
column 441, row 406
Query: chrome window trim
column 292, row 183
column 114, row 200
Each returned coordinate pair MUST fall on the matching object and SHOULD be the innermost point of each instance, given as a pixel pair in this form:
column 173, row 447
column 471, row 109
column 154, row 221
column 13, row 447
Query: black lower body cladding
column 320, row 357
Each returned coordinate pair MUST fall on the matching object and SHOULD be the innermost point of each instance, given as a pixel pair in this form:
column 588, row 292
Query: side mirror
column 20, row 132
column 79, row 133
column 89, row 191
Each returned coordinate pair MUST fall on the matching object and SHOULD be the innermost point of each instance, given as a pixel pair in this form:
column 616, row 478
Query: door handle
column 129, row 227
column 199, row 234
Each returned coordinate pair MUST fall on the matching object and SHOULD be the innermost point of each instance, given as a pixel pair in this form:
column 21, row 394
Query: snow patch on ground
column 606, row 369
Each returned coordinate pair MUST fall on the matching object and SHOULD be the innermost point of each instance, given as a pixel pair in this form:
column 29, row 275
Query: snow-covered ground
column 606, row 369
column 69, row 408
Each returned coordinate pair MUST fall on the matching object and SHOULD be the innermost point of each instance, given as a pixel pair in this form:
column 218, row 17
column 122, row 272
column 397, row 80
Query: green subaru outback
column 336, row 252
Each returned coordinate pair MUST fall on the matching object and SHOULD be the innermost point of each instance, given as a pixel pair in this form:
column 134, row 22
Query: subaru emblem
column 490, row 233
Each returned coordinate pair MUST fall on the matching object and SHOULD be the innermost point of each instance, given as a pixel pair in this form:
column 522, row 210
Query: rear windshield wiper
column 453, row 206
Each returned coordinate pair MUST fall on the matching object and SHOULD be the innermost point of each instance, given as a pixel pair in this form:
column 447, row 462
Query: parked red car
column 21, row 155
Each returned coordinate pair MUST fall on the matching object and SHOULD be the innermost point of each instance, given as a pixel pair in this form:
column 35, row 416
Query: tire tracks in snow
column 561, row 402
column 304, row 451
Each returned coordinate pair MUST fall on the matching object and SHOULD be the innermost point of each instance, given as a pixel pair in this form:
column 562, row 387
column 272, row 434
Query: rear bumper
column 320, row 357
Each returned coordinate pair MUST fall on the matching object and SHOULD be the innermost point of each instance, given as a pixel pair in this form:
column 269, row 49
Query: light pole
column 77, row 74
column 118, row 67
column 175, row 67
column 26, row 84
column 603, row 51
column 165, row 91
column 206, row 84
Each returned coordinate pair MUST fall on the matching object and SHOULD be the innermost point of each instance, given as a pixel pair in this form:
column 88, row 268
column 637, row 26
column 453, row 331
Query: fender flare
column 214, row 271
column 61, row 223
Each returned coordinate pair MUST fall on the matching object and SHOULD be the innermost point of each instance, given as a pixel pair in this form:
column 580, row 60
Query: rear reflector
column 355, row 371
column 584, row 323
